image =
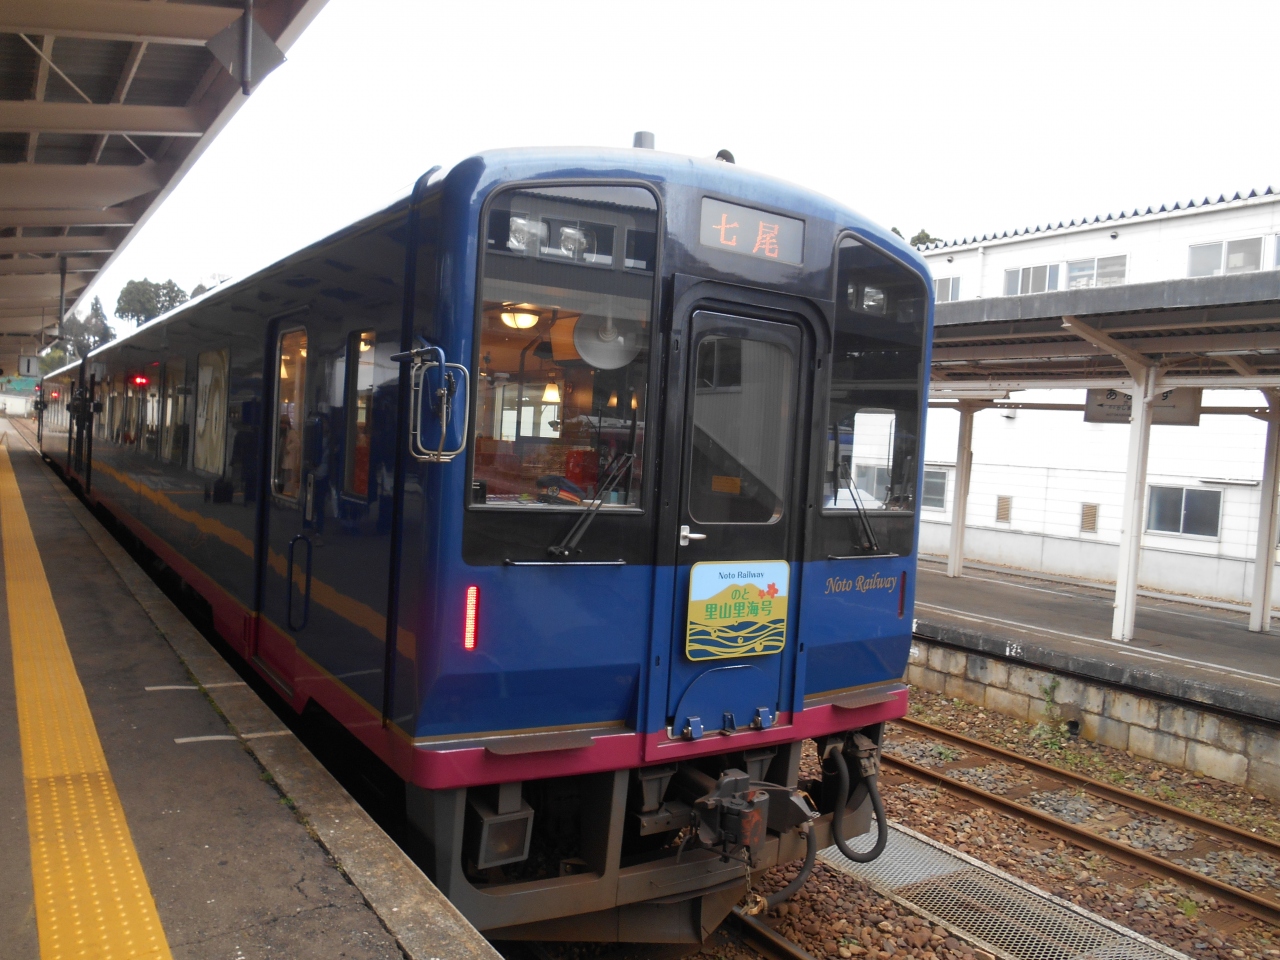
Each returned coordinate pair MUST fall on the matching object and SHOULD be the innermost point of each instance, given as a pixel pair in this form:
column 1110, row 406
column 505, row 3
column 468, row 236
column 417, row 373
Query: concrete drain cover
column 1000, row 913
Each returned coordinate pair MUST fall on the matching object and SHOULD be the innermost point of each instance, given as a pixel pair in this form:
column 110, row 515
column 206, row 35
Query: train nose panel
column 727, row 699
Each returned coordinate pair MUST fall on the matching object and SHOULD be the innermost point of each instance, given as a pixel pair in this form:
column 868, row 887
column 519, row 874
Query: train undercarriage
column 656, row 854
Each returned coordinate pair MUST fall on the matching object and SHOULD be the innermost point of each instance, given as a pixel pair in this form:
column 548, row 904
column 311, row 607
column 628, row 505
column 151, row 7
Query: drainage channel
column 998, row 912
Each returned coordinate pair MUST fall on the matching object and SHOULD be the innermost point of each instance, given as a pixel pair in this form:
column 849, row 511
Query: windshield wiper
column 869, row 540
column 569, row 545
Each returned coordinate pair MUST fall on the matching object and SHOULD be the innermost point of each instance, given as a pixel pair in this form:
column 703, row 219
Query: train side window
column 211, row 411
column 173, row 439
column 361, row 375
column 291, row 392
column 873, row 415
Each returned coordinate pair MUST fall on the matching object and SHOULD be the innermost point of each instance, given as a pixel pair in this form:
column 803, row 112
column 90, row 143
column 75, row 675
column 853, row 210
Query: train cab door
column 738, row 524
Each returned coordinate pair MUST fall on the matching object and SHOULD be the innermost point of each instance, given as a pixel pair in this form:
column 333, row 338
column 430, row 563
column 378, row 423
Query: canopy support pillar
column 1133, row 508
column 1264, row 563
column 960, row 498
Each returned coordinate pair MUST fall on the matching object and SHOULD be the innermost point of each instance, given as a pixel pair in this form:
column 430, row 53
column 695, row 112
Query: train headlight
column 498, row 835
column 526, row 235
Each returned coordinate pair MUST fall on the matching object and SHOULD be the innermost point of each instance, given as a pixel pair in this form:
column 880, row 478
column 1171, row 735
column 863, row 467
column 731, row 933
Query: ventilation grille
column 1000, row 913
column 1088, row 518
column 1004, row 509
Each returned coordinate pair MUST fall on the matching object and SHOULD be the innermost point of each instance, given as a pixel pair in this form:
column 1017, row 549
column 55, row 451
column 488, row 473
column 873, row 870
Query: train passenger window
column 173, row 439
column 361, row 373
column 742, row 421
column 872, row 443
column 209, row 454
column 291, row 392
column 564, row 331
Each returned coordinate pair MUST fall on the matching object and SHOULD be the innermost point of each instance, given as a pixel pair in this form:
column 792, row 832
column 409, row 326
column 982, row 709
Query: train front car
column 680, row 545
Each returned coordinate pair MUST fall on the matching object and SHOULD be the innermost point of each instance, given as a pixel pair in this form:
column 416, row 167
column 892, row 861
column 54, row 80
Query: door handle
column 306, row 592
column 686, row 536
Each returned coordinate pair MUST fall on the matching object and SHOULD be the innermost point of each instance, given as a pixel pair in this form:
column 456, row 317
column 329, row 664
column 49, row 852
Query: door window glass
column 361, row 370
column 564, row 335
column 743, row 409
column 291, row 391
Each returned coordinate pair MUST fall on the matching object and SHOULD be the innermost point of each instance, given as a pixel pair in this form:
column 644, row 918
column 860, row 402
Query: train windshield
column 872, row 443
column 564, row 332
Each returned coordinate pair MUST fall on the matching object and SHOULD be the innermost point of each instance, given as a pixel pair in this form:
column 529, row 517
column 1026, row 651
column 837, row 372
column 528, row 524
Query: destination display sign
column 752, row 233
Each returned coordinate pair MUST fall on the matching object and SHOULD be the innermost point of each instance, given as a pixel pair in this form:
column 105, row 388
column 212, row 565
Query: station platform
column 1200, row 653
column 151, row 804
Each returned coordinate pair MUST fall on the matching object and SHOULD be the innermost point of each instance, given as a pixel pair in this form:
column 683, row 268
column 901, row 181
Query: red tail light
column 469, row 627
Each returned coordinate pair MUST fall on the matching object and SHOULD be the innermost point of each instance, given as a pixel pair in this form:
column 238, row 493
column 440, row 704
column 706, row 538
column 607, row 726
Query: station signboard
column 1179, row 407
column 28, row 366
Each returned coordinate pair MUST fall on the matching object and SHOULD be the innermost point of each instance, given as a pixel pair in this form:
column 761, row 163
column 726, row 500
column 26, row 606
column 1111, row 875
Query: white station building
column 1043, row 335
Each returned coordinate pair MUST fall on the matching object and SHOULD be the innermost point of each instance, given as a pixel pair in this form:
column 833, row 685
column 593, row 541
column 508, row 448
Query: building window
column 935, row 490
column 1088, row 518
column 1004, row 509
column 946, row 289
column 1216, row 259
column 1031, row 280
column 1102, row 272
column 1186, row 510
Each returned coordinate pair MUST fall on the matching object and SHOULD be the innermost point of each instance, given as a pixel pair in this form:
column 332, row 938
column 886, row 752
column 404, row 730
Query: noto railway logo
column 875, row 582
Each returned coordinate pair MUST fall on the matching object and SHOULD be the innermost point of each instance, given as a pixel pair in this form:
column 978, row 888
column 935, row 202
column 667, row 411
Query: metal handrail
column 424, row 359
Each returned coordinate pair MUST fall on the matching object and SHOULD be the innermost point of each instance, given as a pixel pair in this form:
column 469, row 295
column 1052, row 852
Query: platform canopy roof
column 104, row 106
column 1213, row 332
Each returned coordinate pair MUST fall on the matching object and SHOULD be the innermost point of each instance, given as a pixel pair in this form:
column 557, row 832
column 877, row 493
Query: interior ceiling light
column 519, row 319
column 551, row 394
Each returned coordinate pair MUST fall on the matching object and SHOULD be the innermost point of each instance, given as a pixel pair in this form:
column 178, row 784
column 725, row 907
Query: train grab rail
column 424, row 359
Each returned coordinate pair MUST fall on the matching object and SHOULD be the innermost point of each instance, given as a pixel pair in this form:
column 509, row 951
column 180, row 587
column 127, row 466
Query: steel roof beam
column 43, row 265
column 187, row 24
column 41, row 285
column 1192, row 343
column 1134, row 362
column 66, row 185
column 34, row 116
column 115, row 217
column 56, row 244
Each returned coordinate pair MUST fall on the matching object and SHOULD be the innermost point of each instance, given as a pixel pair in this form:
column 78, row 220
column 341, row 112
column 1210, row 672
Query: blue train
column 583, row 488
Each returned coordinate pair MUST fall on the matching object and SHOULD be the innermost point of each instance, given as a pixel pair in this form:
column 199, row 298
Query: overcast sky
column 960, row 118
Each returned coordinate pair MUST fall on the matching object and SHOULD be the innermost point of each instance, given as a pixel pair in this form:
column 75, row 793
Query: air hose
column 792, row 888
column 870, row 764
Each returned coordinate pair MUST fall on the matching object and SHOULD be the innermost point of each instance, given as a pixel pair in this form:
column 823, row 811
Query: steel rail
column 766, row 939
column 1222, row 831
column 1260, row 907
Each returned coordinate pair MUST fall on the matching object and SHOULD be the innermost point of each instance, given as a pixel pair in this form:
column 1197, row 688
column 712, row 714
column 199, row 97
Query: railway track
column 1266, row 908
column 765, row 939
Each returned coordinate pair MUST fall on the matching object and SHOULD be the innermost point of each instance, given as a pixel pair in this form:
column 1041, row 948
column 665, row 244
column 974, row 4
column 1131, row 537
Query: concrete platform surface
column 1202, row 654
column 247, row 848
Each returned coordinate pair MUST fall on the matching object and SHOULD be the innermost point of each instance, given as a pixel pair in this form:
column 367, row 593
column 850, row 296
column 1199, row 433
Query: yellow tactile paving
column 92, row 898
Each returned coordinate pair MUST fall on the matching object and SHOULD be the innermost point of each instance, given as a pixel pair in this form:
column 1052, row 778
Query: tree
column 55, row 359
column 90, row 332
column 142, row 300
column 897, row 231
column 921, row 238
column 200, row 289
